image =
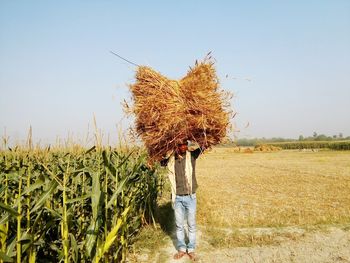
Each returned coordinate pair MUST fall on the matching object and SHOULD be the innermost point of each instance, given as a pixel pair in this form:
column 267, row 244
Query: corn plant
column 74, row 205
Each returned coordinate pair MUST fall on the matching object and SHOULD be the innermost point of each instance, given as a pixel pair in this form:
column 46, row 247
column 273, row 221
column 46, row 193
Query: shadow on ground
column 165, row 218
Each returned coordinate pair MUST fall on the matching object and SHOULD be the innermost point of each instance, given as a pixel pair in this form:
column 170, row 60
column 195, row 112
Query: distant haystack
column 266, row 148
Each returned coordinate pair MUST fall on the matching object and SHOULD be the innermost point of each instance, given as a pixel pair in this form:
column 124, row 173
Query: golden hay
column 169, row 112
column 266, row 148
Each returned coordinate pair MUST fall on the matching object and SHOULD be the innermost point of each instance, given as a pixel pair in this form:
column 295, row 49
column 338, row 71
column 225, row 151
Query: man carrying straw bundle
column 168, row 114
column 182, row 174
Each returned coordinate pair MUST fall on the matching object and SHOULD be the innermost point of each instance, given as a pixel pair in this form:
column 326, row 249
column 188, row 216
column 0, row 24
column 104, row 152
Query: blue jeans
column 185, row 210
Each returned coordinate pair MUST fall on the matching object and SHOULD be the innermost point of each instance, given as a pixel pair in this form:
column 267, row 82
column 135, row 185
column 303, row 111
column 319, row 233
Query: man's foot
column 179, row 254
column 192, row 256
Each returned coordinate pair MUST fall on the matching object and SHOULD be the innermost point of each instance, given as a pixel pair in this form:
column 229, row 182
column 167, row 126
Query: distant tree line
column 314, row 137
column 322, row 137
column 332, row 145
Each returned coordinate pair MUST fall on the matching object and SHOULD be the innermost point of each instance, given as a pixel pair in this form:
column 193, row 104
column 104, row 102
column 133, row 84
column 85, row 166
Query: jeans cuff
column 182, row 249
column 190, row 250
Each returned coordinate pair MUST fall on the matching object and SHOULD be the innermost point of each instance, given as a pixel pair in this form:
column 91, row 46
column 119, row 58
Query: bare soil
column 328, row 245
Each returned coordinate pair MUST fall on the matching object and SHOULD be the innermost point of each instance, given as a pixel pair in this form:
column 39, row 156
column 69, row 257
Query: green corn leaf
column 48, row 225
column 104, row 247
column 74, row 246
column 95, row 195
column 25, row 238
column 111, row 236
column 8, row 209
column 54, row 247
column 126, row 158
column 34, row 186
column 41, row 201
column 5, row 218
column 77, row 199
column 37, row 218
column 27, row 241
column 11, row 252
column 5, row 258
column 108, row 164
column 91, row 149
column 54, row 213
column 91, row 237
column 101, row 250
column 117, row 192
column 2, row 188
column 45, row 168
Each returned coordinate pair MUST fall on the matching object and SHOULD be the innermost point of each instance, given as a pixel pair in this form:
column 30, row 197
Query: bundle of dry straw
column 169, row 112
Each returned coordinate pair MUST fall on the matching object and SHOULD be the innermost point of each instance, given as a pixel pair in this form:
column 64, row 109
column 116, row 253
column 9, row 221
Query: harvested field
column 273, row 189
column 285, row 206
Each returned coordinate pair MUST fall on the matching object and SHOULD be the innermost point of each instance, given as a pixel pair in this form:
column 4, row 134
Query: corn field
column 74, row 205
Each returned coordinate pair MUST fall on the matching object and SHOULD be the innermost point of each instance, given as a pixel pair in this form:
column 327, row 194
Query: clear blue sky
column 56, row 70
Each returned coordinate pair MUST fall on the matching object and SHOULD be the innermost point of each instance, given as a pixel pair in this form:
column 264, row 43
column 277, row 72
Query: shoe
column 192, row 256
column 179, row 254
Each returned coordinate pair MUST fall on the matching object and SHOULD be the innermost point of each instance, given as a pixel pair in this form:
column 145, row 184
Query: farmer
column 182, row 174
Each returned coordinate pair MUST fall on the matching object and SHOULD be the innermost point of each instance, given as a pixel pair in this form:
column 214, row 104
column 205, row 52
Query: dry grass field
column 285, row 206
column 284, row 188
